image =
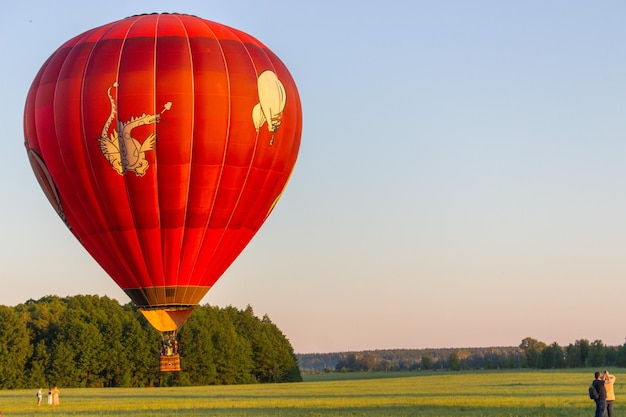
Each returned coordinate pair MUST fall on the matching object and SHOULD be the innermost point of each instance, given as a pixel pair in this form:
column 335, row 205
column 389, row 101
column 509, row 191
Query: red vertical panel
column 49, row 145
column 108, row 184
column 175, row 85
column 136, row 126
column 240, row 149
column 211, row 124
column 99, row 122
column 77, row 190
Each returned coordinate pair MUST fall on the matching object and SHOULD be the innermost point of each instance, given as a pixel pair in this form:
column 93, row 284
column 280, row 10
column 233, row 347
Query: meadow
column 517, row 393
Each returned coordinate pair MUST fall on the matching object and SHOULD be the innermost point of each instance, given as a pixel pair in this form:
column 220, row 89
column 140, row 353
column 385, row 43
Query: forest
column 91, row 341
column 531, row 353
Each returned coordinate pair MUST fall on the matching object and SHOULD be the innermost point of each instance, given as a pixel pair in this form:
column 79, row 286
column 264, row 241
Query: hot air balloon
column 163, row 141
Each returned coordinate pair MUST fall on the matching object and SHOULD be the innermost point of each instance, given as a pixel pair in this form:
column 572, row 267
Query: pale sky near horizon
column 460, row 181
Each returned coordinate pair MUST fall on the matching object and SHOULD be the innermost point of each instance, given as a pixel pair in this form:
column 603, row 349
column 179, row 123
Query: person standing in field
column 39, row 395
column 610, row 393
column 55, row 396
column 598, row 384
column 49, row 396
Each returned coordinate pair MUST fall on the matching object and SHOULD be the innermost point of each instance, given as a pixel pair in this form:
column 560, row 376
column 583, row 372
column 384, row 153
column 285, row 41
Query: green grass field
column 423, row 394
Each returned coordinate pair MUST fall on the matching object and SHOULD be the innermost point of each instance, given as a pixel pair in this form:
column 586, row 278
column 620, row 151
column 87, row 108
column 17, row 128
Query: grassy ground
column 420, row 394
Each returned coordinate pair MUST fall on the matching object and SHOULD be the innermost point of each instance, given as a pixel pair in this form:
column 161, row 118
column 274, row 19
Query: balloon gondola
column 163, row 141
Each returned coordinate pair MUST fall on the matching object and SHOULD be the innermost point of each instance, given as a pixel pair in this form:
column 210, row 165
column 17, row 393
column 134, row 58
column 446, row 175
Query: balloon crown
column 172, row 13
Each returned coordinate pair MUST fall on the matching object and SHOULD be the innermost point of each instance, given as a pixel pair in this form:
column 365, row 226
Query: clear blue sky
column 460, row 182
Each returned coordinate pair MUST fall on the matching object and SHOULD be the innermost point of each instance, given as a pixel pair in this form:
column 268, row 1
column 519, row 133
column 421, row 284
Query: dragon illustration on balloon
column 128, row 154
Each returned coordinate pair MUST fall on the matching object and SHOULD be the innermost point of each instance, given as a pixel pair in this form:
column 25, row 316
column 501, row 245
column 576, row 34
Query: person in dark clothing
column 598, row 383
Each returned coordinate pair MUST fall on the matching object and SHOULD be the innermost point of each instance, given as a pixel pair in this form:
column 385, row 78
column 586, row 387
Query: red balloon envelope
column 163, row 141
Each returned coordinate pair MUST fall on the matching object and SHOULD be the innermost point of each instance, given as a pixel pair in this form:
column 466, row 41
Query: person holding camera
column 610, row 392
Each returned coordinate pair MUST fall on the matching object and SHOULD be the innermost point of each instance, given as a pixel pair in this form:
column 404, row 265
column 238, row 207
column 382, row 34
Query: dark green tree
column 455, row 361
column 577, row 355
column 196, row 348
column 274, row 359
column 427, row 361
column 611, row 355
column 77, row 352
column 141, row 345
column 531, row 349
column 233, row 355
column 621, row 356
column 36, row 372
column 552, row 357
column 15, row 349
column 61, row 371
column 597, row 353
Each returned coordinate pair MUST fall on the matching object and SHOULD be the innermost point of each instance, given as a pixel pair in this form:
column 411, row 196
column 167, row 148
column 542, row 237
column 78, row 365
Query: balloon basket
column 169, row 363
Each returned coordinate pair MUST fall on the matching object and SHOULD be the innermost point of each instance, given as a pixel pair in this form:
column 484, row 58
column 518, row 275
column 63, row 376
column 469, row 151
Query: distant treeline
column 531, row 353
column 92, row 341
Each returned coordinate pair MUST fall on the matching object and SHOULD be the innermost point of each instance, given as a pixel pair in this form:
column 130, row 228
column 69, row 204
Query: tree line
column 92, row 341
column 531, row 353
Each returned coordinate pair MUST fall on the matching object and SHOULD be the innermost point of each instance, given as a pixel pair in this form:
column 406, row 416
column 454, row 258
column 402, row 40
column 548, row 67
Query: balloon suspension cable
column 169, row 343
